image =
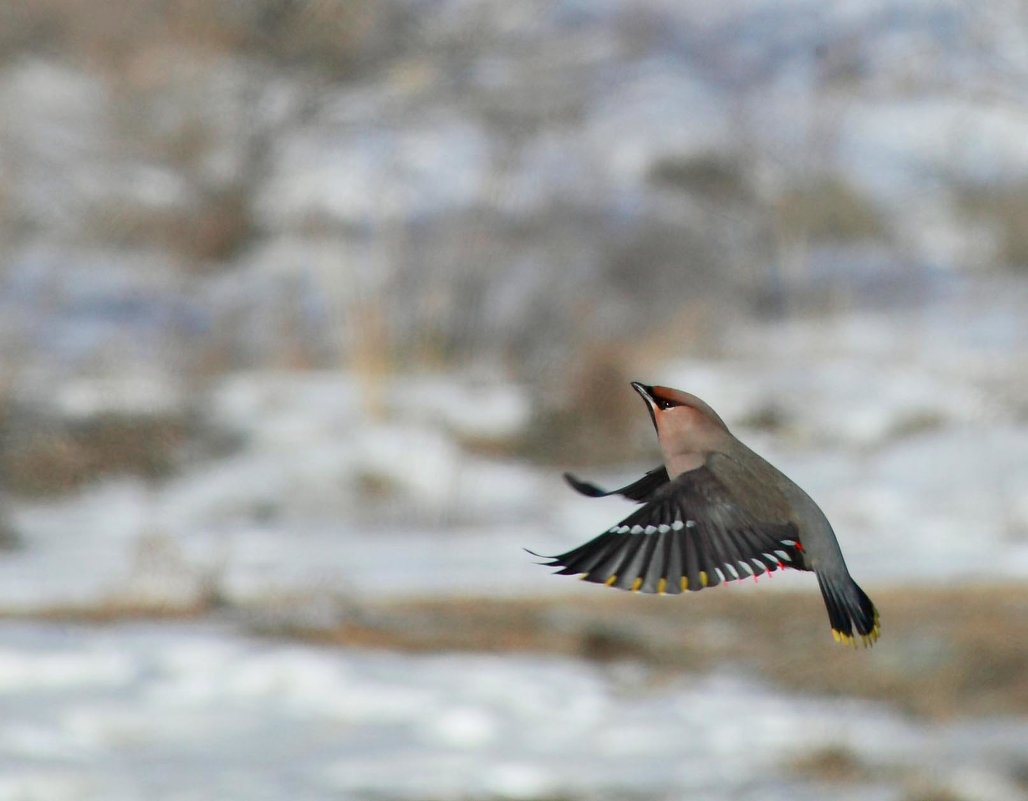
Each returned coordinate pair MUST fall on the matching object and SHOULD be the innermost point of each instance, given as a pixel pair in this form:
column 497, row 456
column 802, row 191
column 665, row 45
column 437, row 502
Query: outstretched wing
column 639, row 491
column 689, row 535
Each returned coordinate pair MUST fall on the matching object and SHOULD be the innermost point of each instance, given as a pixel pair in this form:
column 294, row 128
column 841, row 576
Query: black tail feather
column 850, row 612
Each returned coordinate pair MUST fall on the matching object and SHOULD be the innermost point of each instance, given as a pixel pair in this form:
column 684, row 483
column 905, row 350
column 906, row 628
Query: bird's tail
column 850, row 611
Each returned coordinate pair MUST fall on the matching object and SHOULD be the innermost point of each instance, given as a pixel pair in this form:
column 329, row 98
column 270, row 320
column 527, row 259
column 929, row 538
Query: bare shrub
column 41, row 455
column 592, row 417
column 828, row 210
column 1005, row 211
column 53, row 459
column 338, row 37
column 204, row 234
column 713, row 177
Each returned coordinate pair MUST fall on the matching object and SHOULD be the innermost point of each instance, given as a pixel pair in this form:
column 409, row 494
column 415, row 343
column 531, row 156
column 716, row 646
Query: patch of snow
column 135, row 395
column 933, row 137
column 198, row 711
column 655, row 110
column 498, row 409
column 351, row 174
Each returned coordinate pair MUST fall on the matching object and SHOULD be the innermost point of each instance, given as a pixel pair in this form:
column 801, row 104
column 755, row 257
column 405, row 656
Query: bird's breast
column 678, row 463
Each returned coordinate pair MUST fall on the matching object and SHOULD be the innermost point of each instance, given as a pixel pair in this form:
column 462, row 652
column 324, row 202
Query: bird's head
column 680, row 417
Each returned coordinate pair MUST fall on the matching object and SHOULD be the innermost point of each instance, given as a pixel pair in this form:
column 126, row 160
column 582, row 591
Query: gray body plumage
column 821, row 551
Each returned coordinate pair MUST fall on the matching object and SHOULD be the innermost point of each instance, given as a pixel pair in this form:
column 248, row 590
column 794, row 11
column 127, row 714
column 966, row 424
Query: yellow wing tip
column 867, row 640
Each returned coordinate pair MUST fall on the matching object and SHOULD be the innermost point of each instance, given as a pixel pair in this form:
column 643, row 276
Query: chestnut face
column 677, row 413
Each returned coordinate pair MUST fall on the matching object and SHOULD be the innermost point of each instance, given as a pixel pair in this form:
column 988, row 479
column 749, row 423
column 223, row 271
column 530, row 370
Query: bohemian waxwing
column 715, row 511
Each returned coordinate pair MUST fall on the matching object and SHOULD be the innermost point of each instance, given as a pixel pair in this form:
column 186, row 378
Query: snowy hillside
column 306, row 306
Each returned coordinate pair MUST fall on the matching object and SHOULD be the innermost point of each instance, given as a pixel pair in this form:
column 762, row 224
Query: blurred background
column 305, row 305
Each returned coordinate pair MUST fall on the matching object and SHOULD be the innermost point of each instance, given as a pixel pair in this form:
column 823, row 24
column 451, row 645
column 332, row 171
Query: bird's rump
column 690, row 534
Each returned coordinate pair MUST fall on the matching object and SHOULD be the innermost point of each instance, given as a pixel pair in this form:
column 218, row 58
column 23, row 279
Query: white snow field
column 196, row 711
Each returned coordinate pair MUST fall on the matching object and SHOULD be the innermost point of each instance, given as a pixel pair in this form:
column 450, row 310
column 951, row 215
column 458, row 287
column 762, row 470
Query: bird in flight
column 715, row 511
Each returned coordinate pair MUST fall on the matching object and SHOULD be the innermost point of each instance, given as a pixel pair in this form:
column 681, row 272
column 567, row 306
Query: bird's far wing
column 689, row 535
column 639, row 490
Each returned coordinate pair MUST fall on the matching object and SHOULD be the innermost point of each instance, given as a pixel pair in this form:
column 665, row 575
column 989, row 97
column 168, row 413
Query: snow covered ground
column 919, row 452
column 187, row 711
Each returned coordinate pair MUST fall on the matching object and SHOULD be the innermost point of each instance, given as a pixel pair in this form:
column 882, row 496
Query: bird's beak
column 646, row 393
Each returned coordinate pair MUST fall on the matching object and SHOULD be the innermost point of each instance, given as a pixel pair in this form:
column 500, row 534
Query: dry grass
column 922, row 789
column 832, row 764
column 117, row 609
column 943, row 653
